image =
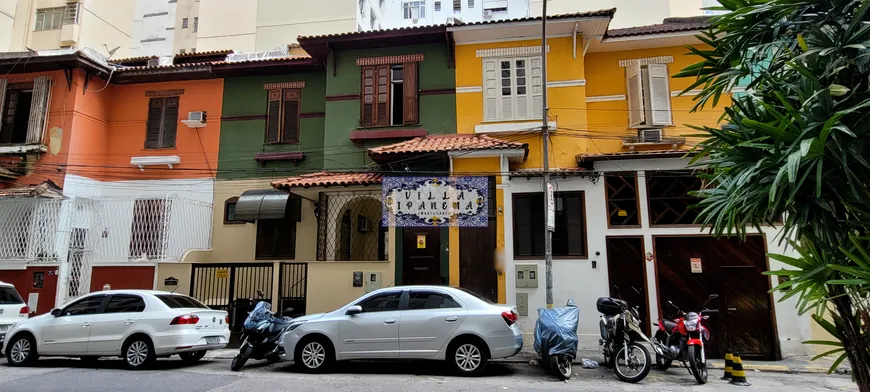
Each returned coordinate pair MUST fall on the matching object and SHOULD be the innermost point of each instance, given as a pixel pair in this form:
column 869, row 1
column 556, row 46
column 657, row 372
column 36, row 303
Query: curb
column 716, row 366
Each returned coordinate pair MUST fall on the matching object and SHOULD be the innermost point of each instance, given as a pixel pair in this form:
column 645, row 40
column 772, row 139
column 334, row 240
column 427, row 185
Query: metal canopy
column 269, row 203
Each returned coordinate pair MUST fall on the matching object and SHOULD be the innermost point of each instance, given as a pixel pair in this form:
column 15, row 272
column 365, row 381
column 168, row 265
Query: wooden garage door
column 732, row 269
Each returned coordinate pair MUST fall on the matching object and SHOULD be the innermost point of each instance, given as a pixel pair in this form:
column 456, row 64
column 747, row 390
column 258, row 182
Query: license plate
column 212, row 340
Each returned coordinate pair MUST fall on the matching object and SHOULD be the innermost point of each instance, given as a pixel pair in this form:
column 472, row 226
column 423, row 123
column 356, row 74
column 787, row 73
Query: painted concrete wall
column 225, row 25
column 185, row 38
column 628, row 12
column 576, row 279
column 7, row 24
column 153, row 28
column 242, row 139
column 437, row 113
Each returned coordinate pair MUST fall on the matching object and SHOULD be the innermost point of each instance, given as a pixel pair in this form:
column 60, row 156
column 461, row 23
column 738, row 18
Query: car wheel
column 314, row 356
column 192, row 357
column 138, row 353
column 468, row 358
column 21, row 351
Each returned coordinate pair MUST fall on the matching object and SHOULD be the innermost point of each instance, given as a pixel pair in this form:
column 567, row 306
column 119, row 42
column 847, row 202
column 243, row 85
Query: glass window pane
column 382, row 303
column 506, row 91
column 521, row 72
column 85, row 306
column 429, row 300
column 125, row 304
column 506, row 73
column 505, row 65
column 521, row 90
column 521, row 81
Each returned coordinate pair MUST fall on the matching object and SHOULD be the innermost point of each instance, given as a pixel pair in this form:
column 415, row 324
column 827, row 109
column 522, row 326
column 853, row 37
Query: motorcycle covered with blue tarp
column 556, row 338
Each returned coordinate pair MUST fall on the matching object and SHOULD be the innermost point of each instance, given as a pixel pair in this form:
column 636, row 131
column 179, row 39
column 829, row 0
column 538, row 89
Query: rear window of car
column 180, row 301
column 8, row 296
column 475, row 295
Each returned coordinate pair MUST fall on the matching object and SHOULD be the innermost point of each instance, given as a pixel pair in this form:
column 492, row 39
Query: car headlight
column 294, row 326
column 691, row 325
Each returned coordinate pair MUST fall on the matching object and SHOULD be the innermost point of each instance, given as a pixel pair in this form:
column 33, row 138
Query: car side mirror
column 713, row 296
column 353, row 310
column 55, row 312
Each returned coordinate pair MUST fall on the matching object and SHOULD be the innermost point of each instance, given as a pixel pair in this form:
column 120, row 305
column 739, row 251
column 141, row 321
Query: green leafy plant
column 795, row 145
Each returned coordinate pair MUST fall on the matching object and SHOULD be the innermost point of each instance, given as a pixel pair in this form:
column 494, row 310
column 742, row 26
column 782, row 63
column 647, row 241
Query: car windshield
column 8, row 296
column 176, row 301
column 475, row 295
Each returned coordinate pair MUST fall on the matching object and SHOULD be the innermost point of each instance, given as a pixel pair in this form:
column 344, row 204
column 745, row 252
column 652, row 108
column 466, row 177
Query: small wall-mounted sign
column 357, row 279
column 222, row 273
column 697, row 268
column 170, row 281
column 421, row 241
column 622, row 213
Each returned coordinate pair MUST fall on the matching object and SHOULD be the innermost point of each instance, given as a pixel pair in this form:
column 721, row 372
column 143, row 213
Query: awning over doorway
column 269, row 203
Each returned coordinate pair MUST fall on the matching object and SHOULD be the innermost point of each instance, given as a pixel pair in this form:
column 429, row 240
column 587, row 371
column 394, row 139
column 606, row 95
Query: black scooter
column 260, row 334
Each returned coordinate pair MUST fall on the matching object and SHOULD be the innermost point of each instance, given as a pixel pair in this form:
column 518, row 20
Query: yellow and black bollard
column 738, row 375
column 729, row 363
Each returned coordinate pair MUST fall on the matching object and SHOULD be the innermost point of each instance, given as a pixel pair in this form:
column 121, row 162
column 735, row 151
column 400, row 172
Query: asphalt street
column 171, row 375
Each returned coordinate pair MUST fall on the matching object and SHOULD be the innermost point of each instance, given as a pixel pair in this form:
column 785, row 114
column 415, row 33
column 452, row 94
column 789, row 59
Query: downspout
column 574, row 37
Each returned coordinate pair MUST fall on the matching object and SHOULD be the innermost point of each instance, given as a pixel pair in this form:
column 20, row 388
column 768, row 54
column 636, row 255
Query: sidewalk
column 787, row 365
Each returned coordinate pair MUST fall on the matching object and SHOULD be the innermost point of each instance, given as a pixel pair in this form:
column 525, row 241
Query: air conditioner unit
column 153, row 62
column 649, row 135
column 195, row 120
column 487, row 13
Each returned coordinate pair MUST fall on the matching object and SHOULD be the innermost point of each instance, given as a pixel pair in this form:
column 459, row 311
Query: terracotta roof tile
column 6, row 173
column 439, row 143
column 46, row 189
column 588, row 14
column 669, row 25
column 206, row 53
column 326, row 178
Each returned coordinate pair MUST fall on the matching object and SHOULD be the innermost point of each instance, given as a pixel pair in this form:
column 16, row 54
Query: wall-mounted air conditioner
column 487, row 13
column 195, row 120
column 153, row 62
column 649, row 135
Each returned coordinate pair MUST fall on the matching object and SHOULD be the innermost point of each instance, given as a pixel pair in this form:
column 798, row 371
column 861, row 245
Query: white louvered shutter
column 506, row 90
column 537, row 87
column 634, row 94
column 659, row 95
column 491, row 90
column 521, row 88
column 38, row 109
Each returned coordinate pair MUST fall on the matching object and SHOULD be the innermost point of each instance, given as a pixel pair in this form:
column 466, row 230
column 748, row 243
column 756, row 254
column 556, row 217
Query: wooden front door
column 730, row 268
column 422, row 253
column 477, row 260
column 627, row 274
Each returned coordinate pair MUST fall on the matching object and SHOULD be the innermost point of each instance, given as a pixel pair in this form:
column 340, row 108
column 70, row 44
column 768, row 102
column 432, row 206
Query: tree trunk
column 857, row 350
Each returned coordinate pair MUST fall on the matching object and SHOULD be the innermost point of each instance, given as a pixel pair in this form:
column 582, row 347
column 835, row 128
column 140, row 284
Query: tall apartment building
column 163, row 28
column 631, row 12
column 54, row 24
column 408, row 13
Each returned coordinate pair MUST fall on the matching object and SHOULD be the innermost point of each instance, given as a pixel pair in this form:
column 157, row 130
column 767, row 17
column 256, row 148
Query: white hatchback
column 12, row 309
column 136, row 325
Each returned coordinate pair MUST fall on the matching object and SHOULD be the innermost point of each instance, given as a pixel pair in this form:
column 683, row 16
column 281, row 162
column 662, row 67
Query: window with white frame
column 648, row 95
column 54, row 18
column 414, row 9
column 513, row 88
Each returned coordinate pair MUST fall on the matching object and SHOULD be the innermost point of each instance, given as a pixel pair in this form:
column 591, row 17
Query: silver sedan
column 406, row 323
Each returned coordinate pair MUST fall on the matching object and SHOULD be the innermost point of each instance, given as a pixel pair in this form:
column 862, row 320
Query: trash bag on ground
column 556, row 330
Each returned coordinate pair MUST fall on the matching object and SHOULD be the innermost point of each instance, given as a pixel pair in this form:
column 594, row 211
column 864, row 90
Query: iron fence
column 349, row 227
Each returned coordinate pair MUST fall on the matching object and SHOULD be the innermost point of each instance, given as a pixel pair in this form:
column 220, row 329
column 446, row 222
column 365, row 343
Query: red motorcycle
column 683, row 340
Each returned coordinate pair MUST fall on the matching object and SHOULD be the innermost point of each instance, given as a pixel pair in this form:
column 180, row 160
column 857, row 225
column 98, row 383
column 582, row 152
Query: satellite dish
column 112, row 51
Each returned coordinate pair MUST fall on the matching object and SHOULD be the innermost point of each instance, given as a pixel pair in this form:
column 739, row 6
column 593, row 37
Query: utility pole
column 549, row 204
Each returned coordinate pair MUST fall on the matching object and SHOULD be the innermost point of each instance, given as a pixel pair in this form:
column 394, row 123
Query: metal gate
column 293, row 287
column 229, row 287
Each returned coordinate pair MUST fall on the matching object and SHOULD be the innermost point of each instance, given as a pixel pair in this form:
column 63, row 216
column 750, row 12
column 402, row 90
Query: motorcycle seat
column 669, row 325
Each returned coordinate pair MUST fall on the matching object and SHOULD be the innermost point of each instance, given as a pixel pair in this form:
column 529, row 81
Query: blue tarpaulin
column 556, row 330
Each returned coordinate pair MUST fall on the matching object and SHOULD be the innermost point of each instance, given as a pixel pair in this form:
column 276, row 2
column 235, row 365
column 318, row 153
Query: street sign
column 222, row 273
column 697, row 268
column 551, row 208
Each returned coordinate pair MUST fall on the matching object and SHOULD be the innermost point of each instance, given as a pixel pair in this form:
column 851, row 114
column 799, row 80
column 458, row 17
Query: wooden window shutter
column 273, row 120
column 170, row 122
column 412, row 107
column 634, row 94
column 155, row 120
column 38, row 109
column 382, row 113
column 367, row 116
column 659, row 109
column 291, row 116
column 491, row 90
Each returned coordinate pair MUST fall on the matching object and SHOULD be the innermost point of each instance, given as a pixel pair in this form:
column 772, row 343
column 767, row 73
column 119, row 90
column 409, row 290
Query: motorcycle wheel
column 560, row 366
column 662, row 363
column 242, row 357
column 638, row 363
column 699, row 368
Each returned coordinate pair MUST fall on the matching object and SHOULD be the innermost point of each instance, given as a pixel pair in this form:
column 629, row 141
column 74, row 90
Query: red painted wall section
column 23, row 280
column 122, row 278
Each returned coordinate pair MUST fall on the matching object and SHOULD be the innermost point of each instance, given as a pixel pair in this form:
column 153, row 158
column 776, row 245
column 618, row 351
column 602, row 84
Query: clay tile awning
column 269, row 203
column 46, row 189
column 669, row 25
column 585, row 159
column 326, row 179
column 448, row 143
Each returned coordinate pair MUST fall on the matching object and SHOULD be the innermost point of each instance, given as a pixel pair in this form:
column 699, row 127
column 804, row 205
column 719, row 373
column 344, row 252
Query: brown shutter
column 3, row 84
column 367, row 115
column 273, row 120
column 291, row 116
column 155, row 120
column 170, row 122
column 38, row 109
column 382, row 115
column 412, row 108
